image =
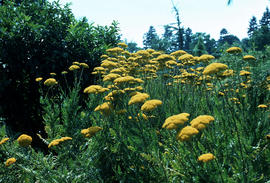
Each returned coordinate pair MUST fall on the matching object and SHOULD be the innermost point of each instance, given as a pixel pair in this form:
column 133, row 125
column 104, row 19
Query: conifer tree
column 253, row 26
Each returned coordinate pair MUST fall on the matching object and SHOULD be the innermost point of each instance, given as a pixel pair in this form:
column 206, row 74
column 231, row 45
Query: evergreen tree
column 265, row 21
column 253, row 26
column 179, row 38
column 150, row 38
column 188, row 37
column 199, row 48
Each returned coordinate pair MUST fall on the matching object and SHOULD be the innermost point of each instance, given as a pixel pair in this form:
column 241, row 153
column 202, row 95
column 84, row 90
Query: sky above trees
column 135, row 17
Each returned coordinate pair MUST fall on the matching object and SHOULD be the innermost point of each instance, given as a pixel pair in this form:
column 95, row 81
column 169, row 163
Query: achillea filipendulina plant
column 123, row 45
column 201, row 121
column 4, row 140
column 233, row 50
column 91, row 131
column 111, row 77
column 105, row 108
column 138, row 98
column 84, row 65
column 178, row 53
column 53, row 74
column 206, row 157
column 95, row 89
column 214, row 68
column 50, row 82
column 74, row 67
column 186, row 133
column 38, row 79
column 10, row 161
column 24, row 140
column 249, row 57
column 244, row 73
column 174, row 121
column 58, row 141
column 151, row 105
column 205, row 58
column 262, row 106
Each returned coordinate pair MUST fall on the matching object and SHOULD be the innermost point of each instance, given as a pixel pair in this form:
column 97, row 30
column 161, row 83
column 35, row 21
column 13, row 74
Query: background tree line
column 176, row 37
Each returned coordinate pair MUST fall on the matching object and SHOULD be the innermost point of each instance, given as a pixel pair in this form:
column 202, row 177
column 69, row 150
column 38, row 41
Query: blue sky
column 135, row 16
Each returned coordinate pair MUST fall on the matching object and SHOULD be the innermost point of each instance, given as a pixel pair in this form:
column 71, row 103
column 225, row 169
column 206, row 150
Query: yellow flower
column 58, row 141
column 206, row 157
column 104, row 108
column 244, row 73
column 84, row 65
column 38, row 79
column 73, row 67
column 186, row 133
column 53, row 74
column 178, row 53
column 206, row 58
column 221, row 93
column 90, row 132
column 151, row 105
column 234, row 50
column 4, row 140
column 249, row 57
column 50, row 82
column 95, row 89
column 174, row 121
column 214, row 68
column 24, row 140
column 10, row 161
column 75, row 63
column 267, row 136
column 138, row 98
column 262, row 106
column 125, row 79
column 111, row 77
column 64, row 72
column 123, row 45
column 115, row 50
column 201, row 121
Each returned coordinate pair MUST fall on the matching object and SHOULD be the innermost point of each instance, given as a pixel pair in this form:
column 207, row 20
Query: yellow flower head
column 24, row 140
column 186, row 57
column 214, row 68
column 53, row 74
column 244, row 73
column 206, row 58
column 38, row 79
column 125, row 79
column 262, row 106
column 50, row 82
column 84, row 65
column 90, row 132
column 75, row 63
column 201, row 121
column 249, row 57
column 123, row 45
column 73, row 67
column 4, row 140
column 186, row 133
column 151, row 105
column 111, row 77
column 178, row 53
column 64, row 72
column 138, row 98
column 95, row 89
column 174, row 121
column 10, row 161
column 58, row 141
column 234, row 50
column 104, row 108
column 206, row 157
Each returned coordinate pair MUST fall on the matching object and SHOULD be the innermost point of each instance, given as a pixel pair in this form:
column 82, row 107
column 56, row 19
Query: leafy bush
column 38, row 38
